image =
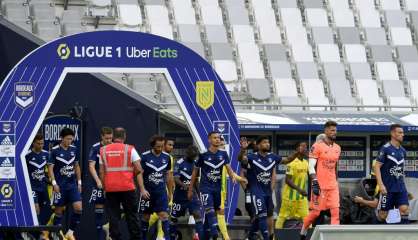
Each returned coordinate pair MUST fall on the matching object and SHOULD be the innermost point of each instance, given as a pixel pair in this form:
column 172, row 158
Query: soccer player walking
column 323, row 172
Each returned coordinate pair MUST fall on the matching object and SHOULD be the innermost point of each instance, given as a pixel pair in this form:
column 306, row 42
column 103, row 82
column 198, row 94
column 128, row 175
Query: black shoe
column 302, row 237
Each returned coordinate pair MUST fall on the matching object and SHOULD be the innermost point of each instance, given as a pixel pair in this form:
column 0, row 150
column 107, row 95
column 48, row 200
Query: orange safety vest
column 119, row 174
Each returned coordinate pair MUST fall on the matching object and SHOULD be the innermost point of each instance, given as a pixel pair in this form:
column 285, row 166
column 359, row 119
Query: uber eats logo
column 63, row 51
column 6, row 190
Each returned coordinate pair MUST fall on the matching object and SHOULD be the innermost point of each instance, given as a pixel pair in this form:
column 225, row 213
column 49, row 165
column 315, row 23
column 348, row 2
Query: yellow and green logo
column 63, row 51
column 6, row 190
column 205, row 91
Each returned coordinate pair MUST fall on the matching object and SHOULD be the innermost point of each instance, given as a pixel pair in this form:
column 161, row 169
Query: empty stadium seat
column 393, row 88
column 375, row 36
column 407, row 53
column 211, row 15
column 270, row 34
column 226, row 69
column 100, row 8
column 275, row 52
column 264, row 15
column 349, row 35
column 340, row 89
column 368, row 92
column 386, row 71
column 280, row 69
column 130, row 15
column 259, row 89
column 189, row 33
column 248, row 51
column 401, row 36
column 252, row 69
column 157, row 15
column 334, row 71
column 286, row 3
column 390, row 4
column 291, row 17
column 238, row 15
column 243, row 33
column 47, row 30
column 411, row 5
column 317, row 17
column 329, row 52
column 184, row 14
column 360, row 71
column 197, row 47
column 370, row 18
column 343, row 18
column 162, row 30
column 307, row 70
column 296, row 35
column 15, row 10
column 414, row 89
column 410, row 71
column 290, row 101
column 381, row 53
column 285, row 87
column 355, row 53
column 404, row 102
column 322, row 35
column 216, row 34
column 221, row 51
column 395, row 18
column 313, row 3
column 302, row 53
column 42, row 11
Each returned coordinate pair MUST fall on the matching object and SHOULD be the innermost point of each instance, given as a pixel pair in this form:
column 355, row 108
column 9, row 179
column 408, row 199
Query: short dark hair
column 38, row 137
column 191, row 150
column 330, row 123
column 119, row 133
column 300, row 143
column 395, row 126
column 66, row 131
column 154, row 139
column 166, row 139
column 212, row 132
column 106, row 130
column 261, row 138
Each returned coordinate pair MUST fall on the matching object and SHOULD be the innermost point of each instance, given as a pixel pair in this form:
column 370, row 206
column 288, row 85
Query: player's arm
column 273, row 179
column 313, row 158
column 192, row 182
column 379, row 163
column 51, row 161
column 242, row 156
column 372, row 204
column 289, row 159
column 235, row 177
column 170, row 180
column 93, row 172
column 78, row 174
column 291, row 184
column 243, row 173
column 138, row 171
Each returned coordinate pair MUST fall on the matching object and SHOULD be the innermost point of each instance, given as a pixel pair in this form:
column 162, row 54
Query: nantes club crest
column 205, row 92
column 24, row 94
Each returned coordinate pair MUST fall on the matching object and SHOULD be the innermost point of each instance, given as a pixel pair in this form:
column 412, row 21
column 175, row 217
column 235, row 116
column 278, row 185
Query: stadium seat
column 248, row 52
column 15, row 10
column 370, row 18
column 410, row 71
column 154, row 2
column 381, row 53
column 238, row 16
column 328, row 53
column 360, row 71
column 259, row 89
column 100, row 8
column 43, row 11
column 291, row 17
column 252, row 69
column 307, row 70
column 395, row 18
column 280, row 69
column 286, row 3
column 334, row 71
column 355, row 53
column 365, row 5
column 226, row 69
column 400, row 101
column 390, row 4
column 386, row 71
column 347, row 101
column 376, row 36
column 312, row 3
column 290, row 101
column 275, row 52
column 312, row 88
column 411, row 5
column 400, row 36
column 407, row 53
column 414, row 89
column 270, row 34
column 322, row 35
column 338, row 4
column 221, row 51
column 162, row 30
column 285, row 87
column 157, row 15
column 343, row 18
column 261, row 4
column 317, row 17
column 243, row 33
column 211, row 15
column 393, row 88
column 233, row 3
column 130, row 15
column 349, row 35
column 47, row 30
column 302, row 53
column 216, row 34
column 296, row 35
column 264, row 15
column 184, row 14
column 340, row 89
column 368, row 92
column 189, row 33
column 197, row 47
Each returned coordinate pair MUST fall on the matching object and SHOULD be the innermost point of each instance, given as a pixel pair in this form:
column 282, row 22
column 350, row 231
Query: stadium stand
column 264, row 44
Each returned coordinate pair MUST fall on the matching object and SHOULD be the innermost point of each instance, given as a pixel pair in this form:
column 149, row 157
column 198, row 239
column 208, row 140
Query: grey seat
column 360, row 71
column 395, row 18
column 15, row 10
column 407, row 53
column 234, row 3
column 221, row 51
column 340, row 88
column 259, row 89
column 376, row 36
column 42, row 11
column 349, row 35
column 346, row 101
column 291, row 101
column 334, row 71
column 287, row 3
column 189, row 33
column 410, row 70
column 154, row 2
column 393, row 88
column 275, row 52
column 312, row 3
column 216, row 34
column 307, row 70
column 72, row 28
column 47, row 30
column 197, row 47
column 322, row 35
column 381, row 53
column 238, row 16
column 280, row 69
column 71, row 16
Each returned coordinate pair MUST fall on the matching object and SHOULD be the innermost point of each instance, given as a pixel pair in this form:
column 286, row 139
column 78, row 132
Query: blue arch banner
column 29, row 90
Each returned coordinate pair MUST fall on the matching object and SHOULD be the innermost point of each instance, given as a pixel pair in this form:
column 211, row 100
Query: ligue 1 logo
column 63, row 51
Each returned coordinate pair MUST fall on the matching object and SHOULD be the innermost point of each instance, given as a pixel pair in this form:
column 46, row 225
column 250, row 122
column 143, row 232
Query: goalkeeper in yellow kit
column 294, row 195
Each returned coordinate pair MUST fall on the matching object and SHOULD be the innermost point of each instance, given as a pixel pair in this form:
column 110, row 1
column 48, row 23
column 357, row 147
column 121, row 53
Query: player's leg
column 270, row 220
column 333, row 203
column 59, row 202
column 316, row 205
column 160, row 206
column 383, row 207
column 208, row 201
column 145, row 209
column 97, row 198
column 221, row 216
column 283, row 213
column 74, row 197
column 403, row 204
column 178, row 208
column 130, row 207
column 195, row 209
column 260, row 207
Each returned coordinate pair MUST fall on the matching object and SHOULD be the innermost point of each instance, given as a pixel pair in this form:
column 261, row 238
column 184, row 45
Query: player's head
column 191, row 152
column 396, row 132
column 157, row 143
column 263, row 144
column 320, row 137
column 106, row 135
column 38, row 142
column 330, row 130
column 169, row 145
column 301, row 147
column 67, row 136
column 119, row 134
column 214, row 139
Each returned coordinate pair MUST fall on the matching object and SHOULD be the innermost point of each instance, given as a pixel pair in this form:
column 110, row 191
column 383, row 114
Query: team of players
column 259, row 169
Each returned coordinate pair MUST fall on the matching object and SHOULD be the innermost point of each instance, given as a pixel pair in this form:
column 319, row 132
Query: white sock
column 69, row 232
column 303, row 231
